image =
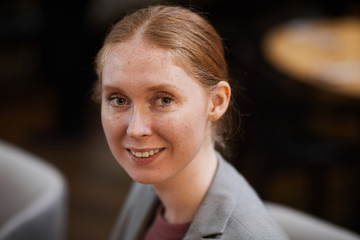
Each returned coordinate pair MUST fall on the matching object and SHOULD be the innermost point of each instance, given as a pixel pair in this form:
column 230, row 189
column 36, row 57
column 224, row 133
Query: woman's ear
column 220, row 99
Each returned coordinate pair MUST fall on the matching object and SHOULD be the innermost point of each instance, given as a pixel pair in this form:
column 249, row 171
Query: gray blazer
column 230, row 210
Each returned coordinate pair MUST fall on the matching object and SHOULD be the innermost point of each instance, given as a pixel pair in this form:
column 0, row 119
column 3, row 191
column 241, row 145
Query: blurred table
column 321, row 52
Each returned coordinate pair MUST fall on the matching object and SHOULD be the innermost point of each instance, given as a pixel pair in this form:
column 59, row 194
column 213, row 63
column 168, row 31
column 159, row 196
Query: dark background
column 298, row 146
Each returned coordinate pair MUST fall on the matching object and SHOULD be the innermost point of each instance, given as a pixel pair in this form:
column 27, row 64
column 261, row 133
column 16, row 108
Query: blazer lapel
column 217, row 206
column 136, row 214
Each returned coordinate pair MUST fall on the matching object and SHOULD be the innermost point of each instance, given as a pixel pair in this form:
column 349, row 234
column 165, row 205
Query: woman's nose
column 139, row 125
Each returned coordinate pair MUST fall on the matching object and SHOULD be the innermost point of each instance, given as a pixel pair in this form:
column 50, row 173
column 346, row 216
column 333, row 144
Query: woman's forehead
column 128, row 54
column 134, row 63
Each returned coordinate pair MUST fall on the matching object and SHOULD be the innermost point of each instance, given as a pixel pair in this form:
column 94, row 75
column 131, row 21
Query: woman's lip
column 146, row 153
column 146, row 157
column 142, row 149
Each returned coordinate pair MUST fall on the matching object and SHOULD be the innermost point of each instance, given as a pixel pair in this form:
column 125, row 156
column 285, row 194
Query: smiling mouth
column 146, row 153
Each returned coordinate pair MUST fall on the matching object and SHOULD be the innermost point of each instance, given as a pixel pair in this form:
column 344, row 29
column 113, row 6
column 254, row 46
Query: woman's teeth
column 145, row 154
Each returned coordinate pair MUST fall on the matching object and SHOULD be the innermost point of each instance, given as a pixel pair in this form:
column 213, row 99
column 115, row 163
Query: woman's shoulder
column 244, row 214
column 252, row 221
column 257, row 228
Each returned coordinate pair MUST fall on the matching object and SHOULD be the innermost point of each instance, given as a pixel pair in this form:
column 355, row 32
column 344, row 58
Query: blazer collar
column 218, row 204
column 145, row 210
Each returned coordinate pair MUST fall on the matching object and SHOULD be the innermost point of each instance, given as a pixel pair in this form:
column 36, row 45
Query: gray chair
column 301, row 226
column 32, row 197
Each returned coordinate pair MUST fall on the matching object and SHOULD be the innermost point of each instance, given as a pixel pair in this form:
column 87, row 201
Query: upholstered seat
column 301, row 226
column 32, row 197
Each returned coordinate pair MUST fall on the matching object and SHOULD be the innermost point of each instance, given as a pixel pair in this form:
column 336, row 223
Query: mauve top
column 160, row 229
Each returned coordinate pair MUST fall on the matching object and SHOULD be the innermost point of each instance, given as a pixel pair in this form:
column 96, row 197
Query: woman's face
column 155, row 116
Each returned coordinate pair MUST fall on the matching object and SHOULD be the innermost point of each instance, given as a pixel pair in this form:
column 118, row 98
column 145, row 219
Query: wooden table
column 324, row 53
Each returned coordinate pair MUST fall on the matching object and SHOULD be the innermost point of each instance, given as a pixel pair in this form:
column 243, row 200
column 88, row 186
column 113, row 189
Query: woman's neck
column 183, row 194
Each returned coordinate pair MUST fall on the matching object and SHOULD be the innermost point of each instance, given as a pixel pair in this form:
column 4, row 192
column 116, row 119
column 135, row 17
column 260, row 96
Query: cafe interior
column 295, row 69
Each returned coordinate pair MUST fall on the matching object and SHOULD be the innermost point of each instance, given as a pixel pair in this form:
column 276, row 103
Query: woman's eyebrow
column 159, row 87
column 163, row 86
column 109, row 88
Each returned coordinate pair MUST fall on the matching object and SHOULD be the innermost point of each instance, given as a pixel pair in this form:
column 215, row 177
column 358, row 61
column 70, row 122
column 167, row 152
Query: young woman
column 164, row 94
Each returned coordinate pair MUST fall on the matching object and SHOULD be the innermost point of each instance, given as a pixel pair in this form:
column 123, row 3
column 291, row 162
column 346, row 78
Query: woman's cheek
column 167, row 127
column 111, row 125
column 178, row 129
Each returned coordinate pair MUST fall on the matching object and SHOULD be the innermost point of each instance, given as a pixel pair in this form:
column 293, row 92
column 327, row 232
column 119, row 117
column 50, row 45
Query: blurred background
column 296, row 65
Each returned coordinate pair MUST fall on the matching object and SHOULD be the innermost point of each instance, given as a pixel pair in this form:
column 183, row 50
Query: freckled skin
column 139, row 70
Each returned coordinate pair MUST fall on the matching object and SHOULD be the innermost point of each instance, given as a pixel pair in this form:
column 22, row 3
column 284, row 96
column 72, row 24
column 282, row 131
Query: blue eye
column 166, row 100
column 116, row 101
column 163, row 99
column 120, row 101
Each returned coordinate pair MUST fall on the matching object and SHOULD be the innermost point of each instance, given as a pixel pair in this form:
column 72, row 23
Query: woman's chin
column 145, row 179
